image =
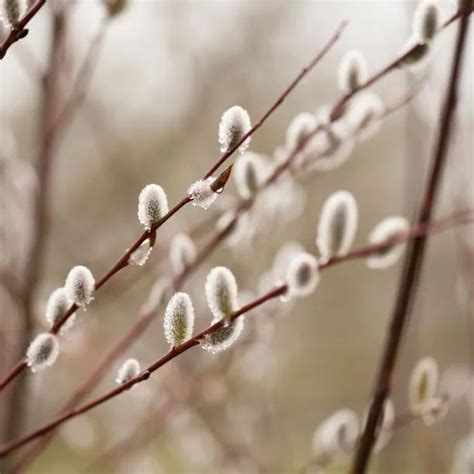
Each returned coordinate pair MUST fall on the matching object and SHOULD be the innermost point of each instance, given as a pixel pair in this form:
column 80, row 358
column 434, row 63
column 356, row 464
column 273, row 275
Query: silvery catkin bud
column 201, row 193
column 250, row 172
column 365, row 115
column 12, row 9
column 423, row 384
column 426, row 20
column 337, row 225
column 141, row 254
column 58, row 303
column 352, row 72
column 222, row 338
column 302, row 276
column 128, row 371
column 152, row 205
column 179, row 319
column 384, row 231
column 234, row 124
column 80, row 286
column 299, row 129
column 221, row 292
column 42, row 352
column 182, row 252
column 337, row 435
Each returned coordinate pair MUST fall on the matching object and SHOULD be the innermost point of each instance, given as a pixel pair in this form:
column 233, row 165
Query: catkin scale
column 129, row 370
column 337, row 225
column 182, row 252
column 80, row 285
column 302, row 276
column 221, row 292
column 384, row 231
column 201, row 193
column 352, row 72
column 57, row 305
column 423, row 385
column 42, row 352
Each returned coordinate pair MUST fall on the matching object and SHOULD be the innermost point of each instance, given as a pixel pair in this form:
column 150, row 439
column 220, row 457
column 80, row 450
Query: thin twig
column 122, row 262
column 190, row 343
column 413, row 260
column 20, row 31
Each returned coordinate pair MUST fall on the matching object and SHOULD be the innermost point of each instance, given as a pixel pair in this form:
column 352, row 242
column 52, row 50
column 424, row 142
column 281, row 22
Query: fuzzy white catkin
column 352, row 71
column 80, row 286
column 224, row 337
column 42, row 352
column 337, row 435
column 426, row 20
column 250, row 171
column 435, row 410
column 423, row 385
column 365, row 115
column 140, row 255
column 221, row 292
column 385, row 230
column 129, row 370
column 302, row 276
column 12, row 11
column 182, row 252
column 152, row 205
column 234, row 124
column 58, row 303
column 201, row 193
column 179, row 319
column 337, row 225
column 299, row 129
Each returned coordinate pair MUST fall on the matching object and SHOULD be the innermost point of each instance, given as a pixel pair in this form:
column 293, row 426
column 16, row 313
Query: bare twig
column 20, row 31
column 413, row 260
column 195, row 341
column 122, row 262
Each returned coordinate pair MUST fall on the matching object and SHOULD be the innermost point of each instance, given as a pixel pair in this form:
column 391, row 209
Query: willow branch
column 20, row 31
column 219, row 183
column 147, row 314
column 398, row 62
column 413, row 260
column 195, row 341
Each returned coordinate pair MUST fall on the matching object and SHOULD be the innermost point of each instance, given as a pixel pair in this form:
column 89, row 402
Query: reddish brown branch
column 413, row 260
column 20, row 31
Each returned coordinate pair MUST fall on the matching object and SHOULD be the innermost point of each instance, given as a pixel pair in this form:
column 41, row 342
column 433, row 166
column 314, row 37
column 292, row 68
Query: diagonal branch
column 413, row 259
column 20, row 31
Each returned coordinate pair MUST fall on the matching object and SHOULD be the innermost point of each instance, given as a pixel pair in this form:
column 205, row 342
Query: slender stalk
column 190, row 343
column 20, row 30
column 413, row 259
column 220, row 181
column 44, row 166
